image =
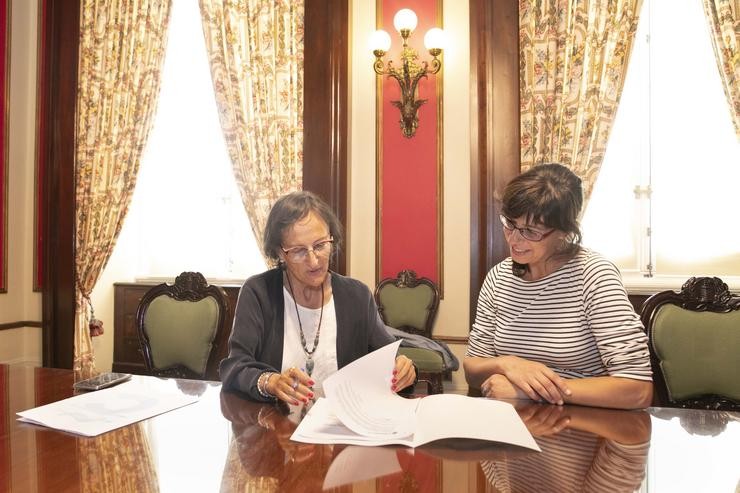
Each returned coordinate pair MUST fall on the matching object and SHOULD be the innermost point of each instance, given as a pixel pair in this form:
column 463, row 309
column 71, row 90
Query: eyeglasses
column 528, row 234
column 298, row 254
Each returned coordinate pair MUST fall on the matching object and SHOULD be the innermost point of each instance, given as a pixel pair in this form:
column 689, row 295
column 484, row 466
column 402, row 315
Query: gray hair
column 288, row 210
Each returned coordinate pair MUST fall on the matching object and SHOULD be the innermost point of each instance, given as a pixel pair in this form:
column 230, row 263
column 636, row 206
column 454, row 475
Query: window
column 662, row 205
column 186, row 213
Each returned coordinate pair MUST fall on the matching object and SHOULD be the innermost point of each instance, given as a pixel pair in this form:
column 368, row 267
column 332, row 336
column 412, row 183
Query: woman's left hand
column 404, row 373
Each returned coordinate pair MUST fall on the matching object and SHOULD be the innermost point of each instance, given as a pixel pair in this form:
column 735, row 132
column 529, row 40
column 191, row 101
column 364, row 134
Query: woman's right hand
column 291, row 386
column 536, row 380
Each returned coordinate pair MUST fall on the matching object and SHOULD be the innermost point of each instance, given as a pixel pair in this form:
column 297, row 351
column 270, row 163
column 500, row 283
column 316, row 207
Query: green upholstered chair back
column 408, row 303
column 181, row 326
column 695, row 345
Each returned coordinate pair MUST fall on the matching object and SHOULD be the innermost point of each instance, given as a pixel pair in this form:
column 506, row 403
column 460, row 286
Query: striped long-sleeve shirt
column 577, row 320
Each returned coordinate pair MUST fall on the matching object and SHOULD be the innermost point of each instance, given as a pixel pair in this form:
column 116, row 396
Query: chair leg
column 435, row 383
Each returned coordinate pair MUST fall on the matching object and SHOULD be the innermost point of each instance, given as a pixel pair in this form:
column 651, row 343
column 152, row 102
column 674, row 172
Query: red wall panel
column 409, row 188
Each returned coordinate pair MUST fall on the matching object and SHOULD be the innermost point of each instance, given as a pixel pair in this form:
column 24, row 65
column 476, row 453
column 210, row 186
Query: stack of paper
column 360, row 409
column 97, row 412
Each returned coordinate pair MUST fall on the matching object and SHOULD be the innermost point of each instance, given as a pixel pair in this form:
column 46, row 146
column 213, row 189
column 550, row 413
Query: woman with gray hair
column 298, row 323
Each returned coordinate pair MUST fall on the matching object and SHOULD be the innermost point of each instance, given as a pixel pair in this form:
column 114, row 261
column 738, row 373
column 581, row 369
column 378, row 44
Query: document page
column 321, row 425
column 97, row 412
column 362, row 399
column 449, row 415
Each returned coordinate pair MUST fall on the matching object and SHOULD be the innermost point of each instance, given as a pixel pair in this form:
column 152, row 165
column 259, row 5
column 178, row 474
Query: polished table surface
column 224, row 443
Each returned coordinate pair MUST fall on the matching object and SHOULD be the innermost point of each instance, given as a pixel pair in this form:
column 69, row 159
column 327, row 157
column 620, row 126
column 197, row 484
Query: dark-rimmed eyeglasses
column 528, row 234
column 298, row 254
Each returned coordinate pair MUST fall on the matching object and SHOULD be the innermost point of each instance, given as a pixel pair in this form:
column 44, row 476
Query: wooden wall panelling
column 494, row 129
column 326, row 66
column 61, row 35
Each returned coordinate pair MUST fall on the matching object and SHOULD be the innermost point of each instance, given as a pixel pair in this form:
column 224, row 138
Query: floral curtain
column 574, row 59
column 724, row 23
column 122, row 44
column 255, row 50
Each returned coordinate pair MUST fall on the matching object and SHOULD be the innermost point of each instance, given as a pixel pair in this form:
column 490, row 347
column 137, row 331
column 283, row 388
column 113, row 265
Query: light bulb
column 435, row 39
column 380, row 41
column 405, row 19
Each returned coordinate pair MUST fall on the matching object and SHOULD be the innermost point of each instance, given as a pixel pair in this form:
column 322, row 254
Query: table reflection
column 583, row 449
column 262, row 456
column 226, row 443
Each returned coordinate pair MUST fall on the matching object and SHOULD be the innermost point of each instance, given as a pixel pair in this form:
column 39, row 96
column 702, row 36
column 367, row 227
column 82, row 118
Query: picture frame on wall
column 5, row 85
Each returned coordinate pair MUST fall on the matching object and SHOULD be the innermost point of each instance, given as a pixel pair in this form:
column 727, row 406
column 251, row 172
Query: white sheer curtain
column 187, row 212
column 674, row 134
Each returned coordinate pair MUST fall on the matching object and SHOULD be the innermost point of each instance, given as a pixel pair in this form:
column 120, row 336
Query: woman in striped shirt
column 553, row 321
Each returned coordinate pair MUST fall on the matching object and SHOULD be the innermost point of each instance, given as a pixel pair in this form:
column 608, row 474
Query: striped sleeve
column 618, row 331
column 480, row 340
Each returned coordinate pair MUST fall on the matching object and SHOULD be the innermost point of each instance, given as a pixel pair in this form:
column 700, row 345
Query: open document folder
column 361, row 409
column 97, row 412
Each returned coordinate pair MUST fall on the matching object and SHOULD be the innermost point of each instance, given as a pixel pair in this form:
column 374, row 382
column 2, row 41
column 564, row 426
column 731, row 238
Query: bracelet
column 262, row 384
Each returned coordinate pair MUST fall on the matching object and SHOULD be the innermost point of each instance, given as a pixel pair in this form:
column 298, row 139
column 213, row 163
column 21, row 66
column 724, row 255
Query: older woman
column 553, row 321
column 298, row 323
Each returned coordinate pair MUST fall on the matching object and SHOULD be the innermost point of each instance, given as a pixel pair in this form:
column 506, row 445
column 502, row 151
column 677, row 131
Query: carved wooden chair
column 694, row 339
column 181, row 327
column 409, row 304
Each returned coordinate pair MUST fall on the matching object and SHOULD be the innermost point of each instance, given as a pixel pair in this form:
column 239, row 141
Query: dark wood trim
column 61, row 34
column 494, row 129
column 325, row 111
column 19, row 324
column 451, row 339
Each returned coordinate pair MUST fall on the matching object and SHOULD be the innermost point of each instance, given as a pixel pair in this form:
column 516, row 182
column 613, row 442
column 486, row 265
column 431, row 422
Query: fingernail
column 310, row 394
column 311, row 382
column 567, row 392
column 393, row 388
column 394, row 380
column 395, row 371
column 305, row 400
column 560, row 403
column 295, row 403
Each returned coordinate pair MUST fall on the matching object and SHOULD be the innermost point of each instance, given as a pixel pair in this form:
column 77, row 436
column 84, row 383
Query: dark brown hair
column 288, row 210
column 550, row 194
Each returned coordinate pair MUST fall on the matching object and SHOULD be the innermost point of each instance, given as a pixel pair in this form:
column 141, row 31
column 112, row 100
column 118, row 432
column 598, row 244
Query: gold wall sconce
column 410, row 71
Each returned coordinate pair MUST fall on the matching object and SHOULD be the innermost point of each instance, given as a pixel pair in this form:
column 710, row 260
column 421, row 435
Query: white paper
column 360, row 409
column 94, row 413
column 362, row 398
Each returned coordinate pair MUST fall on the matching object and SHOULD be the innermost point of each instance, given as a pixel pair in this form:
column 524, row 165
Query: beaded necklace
column 309, row 354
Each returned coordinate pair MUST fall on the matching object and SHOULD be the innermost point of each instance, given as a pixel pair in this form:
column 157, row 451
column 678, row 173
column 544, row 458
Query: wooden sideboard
column 127, row 355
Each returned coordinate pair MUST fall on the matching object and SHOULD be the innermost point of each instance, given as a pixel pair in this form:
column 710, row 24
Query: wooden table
column 224, row 443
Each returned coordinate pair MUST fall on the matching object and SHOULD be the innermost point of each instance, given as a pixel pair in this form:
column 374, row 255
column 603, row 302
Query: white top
column 325, row 357
column 578, row 320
